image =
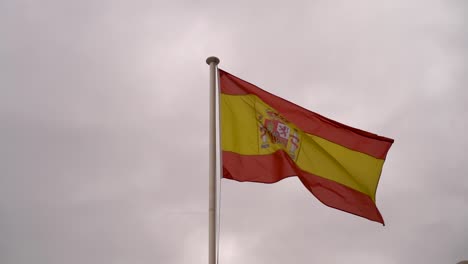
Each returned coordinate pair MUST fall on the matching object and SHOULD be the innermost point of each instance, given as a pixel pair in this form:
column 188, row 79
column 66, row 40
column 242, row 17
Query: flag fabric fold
column 265, row 139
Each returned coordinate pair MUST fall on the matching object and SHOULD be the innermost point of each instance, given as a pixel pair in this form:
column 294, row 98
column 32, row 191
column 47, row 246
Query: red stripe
column 310, row 122
column 277, row 166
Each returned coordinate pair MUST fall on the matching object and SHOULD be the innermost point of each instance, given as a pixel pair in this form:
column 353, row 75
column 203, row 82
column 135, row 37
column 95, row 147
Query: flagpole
column 213, row 62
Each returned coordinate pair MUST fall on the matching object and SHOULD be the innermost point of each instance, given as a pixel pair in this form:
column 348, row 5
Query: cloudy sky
column 104, row 128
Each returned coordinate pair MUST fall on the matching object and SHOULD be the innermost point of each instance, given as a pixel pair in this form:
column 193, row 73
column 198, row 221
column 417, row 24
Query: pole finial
column 211, row 59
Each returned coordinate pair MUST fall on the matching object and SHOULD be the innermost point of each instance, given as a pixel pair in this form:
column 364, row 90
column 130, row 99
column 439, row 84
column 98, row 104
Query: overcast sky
column 104, row 128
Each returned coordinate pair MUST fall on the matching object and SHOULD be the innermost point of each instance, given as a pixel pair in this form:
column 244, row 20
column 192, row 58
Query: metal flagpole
column 213, row 62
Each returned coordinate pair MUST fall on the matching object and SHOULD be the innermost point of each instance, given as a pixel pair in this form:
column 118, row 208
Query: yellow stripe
column 241, row 119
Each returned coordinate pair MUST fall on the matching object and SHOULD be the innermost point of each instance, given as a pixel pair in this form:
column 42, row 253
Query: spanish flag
column 265, row 139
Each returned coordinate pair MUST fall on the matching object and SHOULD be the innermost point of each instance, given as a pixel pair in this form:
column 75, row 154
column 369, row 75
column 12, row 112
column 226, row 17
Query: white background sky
column 104, row 128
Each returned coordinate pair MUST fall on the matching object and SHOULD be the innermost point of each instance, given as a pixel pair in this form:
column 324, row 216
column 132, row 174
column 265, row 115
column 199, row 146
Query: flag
column 265, row 139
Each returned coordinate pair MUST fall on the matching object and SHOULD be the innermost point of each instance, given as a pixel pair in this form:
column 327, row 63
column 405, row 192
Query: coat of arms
column 275, row 129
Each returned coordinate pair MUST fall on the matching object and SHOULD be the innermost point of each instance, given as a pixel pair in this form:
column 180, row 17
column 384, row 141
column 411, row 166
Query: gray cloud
column 104, row 128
